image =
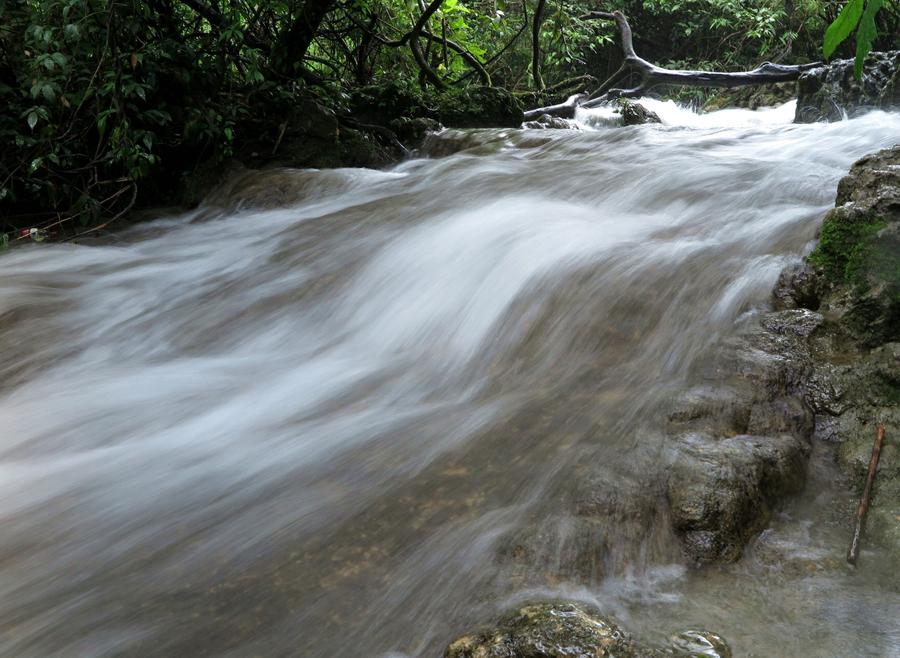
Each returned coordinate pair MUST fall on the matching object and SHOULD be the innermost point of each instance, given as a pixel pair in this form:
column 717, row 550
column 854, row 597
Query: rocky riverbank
column 823, row 366
column 851, row 282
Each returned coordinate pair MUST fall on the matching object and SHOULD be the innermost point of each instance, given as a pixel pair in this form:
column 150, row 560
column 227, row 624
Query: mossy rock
column 832, row 92
column 751, row 98
column 858, row 254
column 567, row 630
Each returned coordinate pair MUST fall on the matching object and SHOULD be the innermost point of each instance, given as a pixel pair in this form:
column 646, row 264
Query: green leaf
column 32, row 119
column 865, row 36
column 842, row 26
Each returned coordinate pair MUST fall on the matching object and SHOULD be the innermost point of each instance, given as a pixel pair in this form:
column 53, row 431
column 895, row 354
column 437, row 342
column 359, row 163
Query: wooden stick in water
column 853, row 553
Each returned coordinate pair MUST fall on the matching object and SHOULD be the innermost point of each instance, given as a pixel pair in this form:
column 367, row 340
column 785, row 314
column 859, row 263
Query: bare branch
column 652, row 76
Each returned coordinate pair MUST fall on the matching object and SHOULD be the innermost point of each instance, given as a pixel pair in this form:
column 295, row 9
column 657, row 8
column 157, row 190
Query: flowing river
column 345, row 413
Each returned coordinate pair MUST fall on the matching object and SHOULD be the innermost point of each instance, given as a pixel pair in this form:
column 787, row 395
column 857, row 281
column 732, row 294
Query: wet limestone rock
column 826, row 93
column 852, row 279
column 738, row 443
column 718, row 507
column 565, row 630
column 635, row 114
column 858, row 255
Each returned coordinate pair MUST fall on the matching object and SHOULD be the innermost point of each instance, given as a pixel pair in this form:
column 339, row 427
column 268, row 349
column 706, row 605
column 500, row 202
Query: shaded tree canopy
column 112, row 101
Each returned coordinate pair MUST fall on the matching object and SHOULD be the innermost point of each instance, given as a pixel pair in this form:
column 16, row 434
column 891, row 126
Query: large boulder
column 829, row 92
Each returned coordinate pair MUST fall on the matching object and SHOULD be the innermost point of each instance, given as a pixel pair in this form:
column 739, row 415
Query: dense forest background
column 110, row 103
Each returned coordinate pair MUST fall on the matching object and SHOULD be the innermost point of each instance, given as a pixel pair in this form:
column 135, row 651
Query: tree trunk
column 536, row 45
column 295, row 41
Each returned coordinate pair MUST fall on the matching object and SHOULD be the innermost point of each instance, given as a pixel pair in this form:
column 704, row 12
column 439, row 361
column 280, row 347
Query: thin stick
column 853, row 553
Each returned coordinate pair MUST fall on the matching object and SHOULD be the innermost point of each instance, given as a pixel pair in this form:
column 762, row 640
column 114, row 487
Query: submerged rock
column 721, row 491
column 830, row 92
column 565, row 630
column 549, row 630
column 697, row 644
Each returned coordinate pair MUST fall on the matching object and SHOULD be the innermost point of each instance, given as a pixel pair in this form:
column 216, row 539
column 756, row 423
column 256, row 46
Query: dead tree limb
column 652, row 76
column 853, row 553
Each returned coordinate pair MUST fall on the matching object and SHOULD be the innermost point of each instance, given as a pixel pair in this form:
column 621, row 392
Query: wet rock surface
column 853, row 279
column 829, row 92
column 752, row 98
column 635, row 114
column 738, row 442
column 558, row 630
column 546, row 121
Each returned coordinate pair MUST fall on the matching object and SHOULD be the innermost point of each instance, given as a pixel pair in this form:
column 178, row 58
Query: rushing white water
column 312, row 430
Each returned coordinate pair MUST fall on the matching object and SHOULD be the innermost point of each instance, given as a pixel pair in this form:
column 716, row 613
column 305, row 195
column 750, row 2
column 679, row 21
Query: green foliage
column 858, row 15
column 112, row 102
column 865, row 35
column 843, row 26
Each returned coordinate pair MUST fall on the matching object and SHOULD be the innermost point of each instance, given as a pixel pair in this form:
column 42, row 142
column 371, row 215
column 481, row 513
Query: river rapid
column 354, row 424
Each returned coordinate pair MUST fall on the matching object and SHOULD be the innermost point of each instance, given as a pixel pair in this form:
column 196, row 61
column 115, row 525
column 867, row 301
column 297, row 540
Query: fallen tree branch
column 652, row 76
column 853, row 553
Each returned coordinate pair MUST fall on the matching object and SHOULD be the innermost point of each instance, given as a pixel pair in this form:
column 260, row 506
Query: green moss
column 845, row 248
